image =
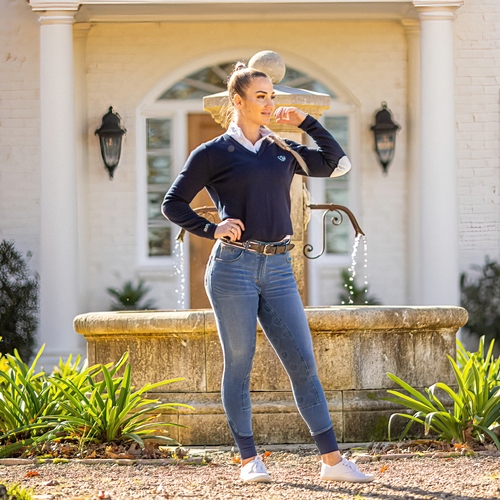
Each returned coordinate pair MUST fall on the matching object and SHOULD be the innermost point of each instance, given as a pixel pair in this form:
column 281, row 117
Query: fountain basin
column 354, row 347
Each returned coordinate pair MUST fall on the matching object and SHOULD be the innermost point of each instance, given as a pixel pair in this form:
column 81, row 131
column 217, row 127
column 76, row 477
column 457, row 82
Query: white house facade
column 63, row 64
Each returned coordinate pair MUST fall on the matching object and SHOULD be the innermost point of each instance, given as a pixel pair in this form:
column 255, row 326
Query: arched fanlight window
column 212, row 79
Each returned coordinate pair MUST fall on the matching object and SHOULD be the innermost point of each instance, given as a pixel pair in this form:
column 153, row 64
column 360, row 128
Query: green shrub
column 15, row 492
column 476, row 405
column 481, row 298
column 18, row 302
column 110, row 410
column 26, row 397
column 129, row 297
column 86, row 404
column 358, row 295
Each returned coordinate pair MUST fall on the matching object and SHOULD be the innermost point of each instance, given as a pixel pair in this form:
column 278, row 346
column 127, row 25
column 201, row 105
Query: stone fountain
column 354, row 346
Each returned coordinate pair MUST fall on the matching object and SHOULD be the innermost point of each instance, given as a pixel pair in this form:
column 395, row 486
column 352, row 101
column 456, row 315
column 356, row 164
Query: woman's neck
column 250, row 130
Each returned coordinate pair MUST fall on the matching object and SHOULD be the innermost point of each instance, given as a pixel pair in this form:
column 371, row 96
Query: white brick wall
column 477, row 101
column 19, row 127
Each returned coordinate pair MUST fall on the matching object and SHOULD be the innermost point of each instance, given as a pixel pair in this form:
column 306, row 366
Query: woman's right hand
column 230, row 228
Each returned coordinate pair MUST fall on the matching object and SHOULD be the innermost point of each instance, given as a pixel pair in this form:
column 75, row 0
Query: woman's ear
column 237, row 100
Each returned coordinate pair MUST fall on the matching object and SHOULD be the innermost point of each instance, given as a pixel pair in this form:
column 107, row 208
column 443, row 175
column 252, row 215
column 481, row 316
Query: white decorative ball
column 269, row 63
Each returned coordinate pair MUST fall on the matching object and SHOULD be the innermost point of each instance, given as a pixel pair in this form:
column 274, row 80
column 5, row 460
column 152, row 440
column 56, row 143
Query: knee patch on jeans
column 303, row 383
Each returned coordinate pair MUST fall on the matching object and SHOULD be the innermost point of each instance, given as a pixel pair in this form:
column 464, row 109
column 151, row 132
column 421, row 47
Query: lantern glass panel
column 111, row 148
column 385, row 146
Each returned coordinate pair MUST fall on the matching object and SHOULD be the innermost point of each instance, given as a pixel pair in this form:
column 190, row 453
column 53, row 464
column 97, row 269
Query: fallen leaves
column 32, row 473
column 104, row 495
column 384, row 468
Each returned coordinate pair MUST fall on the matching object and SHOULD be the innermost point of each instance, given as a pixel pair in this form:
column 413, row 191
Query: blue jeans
column 242, row 286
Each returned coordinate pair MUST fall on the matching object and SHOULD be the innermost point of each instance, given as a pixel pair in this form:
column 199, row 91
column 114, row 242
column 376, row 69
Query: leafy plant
column 69, row 369
column 3, row 362
column 15, row 492
column 354, row 293
column 129, row 297
column 488, row 366
column 26, row 397
column 481, row 298
column 476, row 405
column 86, row 404
column 110, row 411
column 18, row 302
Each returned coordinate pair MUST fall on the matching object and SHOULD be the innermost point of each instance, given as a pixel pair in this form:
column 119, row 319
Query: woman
column 248, row 171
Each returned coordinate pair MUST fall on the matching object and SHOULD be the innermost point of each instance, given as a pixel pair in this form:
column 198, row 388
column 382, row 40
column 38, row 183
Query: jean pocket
column 288, row 257
column 227, row 253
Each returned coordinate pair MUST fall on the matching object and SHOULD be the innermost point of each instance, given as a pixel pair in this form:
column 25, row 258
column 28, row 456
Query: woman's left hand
column 289, row 115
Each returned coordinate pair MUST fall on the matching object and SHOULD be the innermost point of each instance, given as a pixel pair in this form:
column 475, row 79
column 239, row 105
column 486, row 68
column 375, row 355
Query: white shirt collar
column 237, row 134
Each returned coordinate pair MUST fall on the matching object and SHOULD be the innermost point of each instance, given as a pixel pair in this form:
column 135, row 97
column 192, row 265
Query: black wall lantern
column 110, row 136
column 384, row 131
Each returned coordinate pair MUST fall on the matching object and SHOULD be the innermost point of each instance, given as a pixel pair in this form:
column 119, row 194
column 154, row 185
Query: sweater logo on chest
column 281, row 158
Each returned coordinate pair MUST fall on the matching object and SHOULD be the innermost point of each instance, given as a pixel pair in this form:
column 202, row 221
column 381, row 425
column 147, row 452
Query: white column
column 59, row 225
column 414, row 286
column 439, row 197
column 80, row 33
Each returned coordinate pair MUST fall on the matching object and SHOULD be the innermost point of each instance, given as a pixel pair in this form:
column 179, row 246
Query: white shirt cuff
column 343, row 167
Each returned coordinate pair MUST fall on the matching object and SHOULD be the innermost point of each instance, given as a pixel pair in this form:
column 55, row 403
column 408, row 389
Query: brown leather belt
column 266, row 249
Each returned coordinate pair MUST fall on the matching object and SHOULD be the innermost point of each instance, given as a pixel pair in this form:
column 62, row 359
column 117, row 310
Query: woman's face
column 258, row 105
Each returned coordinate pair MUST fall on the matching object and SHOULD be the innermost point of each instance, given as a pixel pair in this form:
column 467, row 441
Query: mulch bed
column 422, row 471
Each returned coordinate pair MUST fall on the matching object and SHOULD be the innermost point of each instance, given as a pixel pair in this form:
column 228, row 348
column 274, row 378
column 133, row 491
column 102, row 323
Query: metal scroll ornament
column 336, row 221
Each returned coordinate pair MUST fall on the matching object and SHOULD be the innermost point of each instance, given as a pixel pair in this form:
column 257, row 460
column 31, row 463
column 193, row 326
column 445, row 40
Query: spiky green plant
column 27, row 396
column 476, row 404
column 110, row 410
column 129, row 297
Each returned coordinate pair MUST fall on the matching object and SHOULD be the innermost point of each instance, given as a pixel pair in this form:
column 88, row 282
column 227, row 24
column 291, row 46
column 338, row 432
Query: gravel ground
column 294, row 471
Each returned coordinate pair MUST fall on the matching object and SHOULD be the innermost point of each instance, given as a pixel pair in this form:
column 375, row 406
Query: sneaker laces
column 350, row 465
column 257, row 465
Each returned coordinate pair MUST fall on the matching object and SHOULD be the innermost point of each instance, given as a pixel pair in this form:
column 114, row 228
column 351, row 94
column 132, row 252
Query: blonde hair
column 238, row 83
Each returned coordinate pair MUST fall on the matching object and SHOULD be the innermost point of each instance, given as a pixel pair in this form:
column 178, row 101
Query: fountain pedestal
column 354, row 347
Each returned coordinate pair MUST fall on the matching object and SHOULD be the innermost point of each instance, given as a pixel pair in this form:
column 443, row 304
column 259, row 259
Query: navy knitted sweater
column 252, row 187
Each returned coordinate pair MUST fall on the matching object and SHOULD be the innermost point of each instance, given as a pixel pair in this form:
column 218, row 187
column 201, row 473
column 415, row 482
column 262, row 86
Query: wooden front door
column 201, row 128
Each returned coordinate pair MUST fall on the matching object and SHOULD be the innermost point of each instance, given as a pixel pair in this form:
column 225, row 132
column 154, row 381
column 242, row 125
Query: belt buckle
column 269, row 250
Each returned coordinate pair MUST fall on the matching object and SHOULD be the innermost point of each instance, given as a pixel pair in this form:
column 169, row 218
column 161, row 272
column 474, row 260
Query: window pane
column 159, row 241
column 337, row 237
column 337, row 190
column 338, row 126
column 158, row 134
column 159, row 169
column 154, row 206
column 159, row 164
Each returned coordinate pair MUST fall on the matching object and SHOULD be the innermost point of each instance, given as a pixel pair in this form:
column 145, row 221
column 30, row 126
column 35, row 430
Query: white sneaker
column 255, row 471
column 344, row 471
